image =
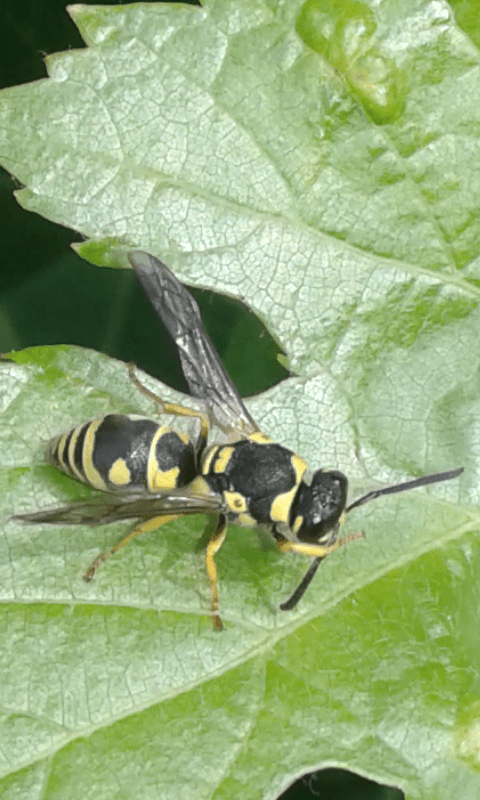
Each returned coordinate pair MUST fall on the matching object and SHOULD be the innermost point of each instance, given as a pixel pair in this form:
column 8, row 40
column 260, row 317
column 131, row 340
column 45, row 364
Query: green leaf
column 321, row 164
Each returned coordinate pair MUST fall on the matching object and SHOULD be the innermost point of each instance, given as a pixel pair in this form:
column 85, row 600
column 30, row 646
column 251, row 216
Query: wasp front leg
column 318, row 552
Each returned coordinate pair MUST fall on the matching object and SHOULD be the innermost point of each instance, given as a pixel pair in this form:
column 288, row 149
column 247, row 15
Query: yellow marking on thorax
column 281, row 505
column 280, row 508
column 260, row 438
column 299, row 466
column 236, row 502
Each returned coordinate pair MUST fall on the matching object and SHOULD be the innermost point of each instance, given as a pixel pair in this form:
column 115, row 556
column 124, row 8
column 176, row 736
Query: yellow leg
column 316, row 550
column 171, row 408
column 213, row 547
column 143, row 527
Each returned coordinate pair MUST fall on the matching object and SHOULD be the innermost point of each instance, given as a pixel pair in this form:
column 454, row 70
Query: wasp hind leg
column 143, row 527
column 213, row 547
column 172, row 408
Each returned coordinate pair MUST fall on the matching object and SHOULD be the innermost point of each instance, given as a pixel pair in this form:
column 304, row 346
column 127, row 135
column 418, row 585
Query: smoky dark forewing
column 204, row 372
column 112, row 508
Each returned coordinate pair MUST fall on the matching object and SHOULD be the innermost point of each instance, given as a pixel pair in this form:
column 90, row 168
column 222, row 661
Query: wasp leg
column 147, row 525
column 316, row 550
column 302, row 587
column 172, row 408
column 213, row 547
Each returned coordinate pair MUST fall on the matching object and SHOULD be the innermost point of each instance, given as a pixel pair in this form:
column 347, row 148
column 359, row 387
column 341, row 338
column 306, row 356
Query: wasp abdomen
column 120, row 453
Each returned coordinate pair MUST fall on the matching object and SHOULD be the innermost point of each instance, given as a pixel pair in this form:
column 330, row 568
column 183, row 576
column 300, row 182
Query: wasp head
column 318, row 507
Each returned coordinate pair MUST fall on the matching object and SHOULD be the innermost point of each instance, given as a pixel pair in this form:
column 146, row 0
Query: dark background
column 48, row 295
column 51, row 296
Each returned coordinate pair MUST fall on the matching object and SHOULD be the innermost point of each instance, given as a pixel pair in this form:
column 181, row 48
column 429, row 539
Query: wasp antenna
column 436, row 477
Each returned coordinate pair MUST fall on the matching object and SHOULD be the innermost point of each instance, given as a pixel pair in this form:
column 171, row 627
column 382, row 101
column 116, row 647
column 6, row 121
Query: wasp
column 155, row 474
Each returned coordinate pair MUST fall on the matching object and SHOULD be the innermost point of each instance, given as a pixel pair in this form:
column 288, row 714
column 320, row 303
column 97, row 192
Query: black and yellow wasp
column 155, row 474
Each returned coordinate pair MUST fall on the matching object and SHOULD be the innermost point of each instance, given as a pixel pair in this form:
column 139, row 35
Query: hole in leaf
column 339, row 784
column 51, row 299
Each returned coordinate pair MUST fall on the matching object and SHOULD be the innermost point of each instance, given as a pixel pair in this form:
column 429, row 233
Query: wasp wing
column 113, row 507
column 205, row 374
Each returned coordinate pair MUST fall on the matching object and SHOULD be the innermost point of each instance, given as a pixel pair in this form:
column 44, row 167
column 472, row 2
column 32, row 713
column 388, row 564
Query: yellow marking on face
column 119, row 474
column 166, row 479
column 92, row 475
column 224, row 456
